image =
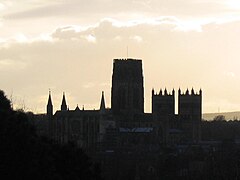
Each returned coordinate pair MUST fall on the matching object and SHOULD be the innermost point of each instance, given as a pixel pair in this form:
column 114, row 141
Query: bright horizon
column 69, row 46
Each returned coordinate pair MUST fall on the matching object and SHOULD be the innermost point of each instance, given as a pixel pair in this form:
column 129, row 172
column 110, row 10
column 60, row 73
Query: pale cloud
column 91, row 38
column 189, row 26
column 69, row 45
column 105, row 26
column 187, row 15
column 137, row 38
column 230, row 74
column 179, row 8
column 88, row 85
column 67, row 61
column 10, row 65
column 233, row 4
column 117, row 38
column 21, row 38
column 104, row 84
column 2, row 7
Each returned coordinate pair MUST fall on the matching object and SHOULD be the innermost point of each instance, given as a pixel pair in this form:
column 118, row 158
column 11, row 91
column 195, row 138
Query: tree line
column 25, row 155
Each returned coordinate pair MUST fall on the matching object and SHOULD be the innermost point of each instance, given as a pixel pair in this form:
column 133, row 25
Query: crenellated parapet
column 188, row 93
column 163, row 102
column 163, row 93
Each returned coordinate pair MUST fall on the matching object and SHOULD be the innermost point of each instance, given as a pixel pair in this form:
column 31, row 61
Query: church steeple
column 64, row 104
column 49, row 105
column 102, row 105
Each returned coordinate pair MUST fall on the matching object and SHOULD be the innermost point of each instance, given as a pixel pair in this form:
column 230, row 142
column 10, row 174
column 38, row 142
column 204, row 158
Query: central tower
column 127, row 87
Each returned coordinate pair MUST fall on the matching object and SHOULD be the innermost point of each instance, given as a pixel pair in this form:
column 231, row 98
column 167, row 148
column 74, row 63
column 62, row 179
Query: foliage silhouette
column 24, row 155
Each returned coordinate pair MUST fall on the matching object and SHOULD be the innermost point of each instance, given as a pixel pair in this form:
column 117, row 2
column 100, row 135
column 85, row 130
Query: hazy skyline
column 69, row 46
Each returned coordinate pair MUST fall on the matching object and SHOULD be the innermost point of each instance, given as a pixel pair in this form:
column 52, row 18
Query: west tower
column 190, row 113
column 163, row 103
column 127, row 86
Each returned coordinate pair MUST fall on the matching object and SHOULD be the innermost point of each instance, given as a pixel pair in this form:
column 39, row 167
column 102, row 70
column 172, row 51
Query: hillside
column 228, row 115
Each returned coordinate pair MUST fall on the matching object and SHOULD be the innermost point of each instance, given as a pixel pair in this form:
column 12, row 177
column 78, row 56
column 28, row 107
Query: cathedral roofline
column 126, row 60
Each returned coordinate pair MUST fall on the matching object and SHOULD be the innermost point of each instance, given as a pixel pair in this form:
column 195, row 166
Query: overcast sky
column 69, row 45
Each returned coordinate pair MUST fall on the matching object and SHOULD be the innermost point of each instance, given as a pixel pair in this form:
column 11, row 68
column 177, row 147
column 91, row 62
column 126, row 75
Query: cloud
column 11, row 65
column 230, row 74
column 233, row 4
column 137, row 38
column 2, row 7
column 91, row 38
column 124, row 8
column 88, row 85
column 40, row 17
column 172, row 58
column 112, row 29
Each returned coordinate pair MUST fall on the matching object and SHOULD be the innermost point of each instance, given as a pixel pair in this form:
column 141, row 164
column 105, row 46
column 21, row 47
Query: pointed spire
column 173, row 92
column 165, row 92
column 83, row 108
column 200, row 91
column 102, row 105
column 77, row 108
column 179, row 91
column 64, row 104
column 192, row 92
column 160, row 91
column 49, row 98
column 187, row 92
column 49, row 105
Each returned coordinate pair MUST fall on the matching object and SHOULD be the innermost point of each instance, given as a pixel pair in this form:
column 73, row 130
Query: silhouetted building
column 125, row 132
column 64, row 104
column 190, row 114
column 127, row 87
column 90, row 128
column 50, row 116
column 163, row 104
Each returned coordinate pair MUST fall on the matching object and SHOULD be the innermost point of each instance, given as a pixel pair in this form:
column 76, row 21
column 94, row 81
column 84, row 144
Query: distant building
column 124, row 138
column 127, row 87
column 124, row 123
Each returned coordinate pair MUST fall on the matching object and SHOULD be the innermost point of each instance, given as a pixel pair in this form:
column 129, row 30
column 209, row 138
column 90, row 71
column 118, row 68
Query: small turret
column 77, row 108
column 187, row 92
column 179, row 91
column 64, row 104
column 160, row 93
column 152, row 91
column 165, row 92
column 173, row 92
column 102, row 104
column 49, row 106
column 192, row 92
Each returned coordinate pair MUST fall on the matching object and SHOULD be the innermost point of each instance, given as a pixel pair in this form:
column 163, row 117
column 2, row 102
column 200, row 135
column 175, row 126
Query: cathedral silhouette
column 125, row 127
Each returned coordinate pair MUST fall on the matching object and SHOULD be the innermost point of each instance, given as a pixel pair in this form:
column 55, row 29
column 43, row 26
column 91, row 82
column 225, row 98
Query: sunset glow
column 234, row 4
column 67, row 45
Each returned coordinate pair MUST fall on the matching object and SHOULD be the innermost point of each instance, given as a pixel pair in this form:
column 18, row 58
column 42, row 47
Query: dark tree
column 5, row 104
column 219, row 118
column 24, row 155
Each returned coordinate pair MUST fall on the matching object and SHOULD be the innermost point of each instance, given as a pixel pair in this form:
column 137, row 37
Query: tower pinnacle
column 64, row 104
column 49, row 105
column 102, row 105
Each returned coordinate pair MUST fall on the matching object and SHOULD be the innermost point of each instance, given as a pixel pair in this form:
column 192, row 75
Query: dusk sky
column 69, row 46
